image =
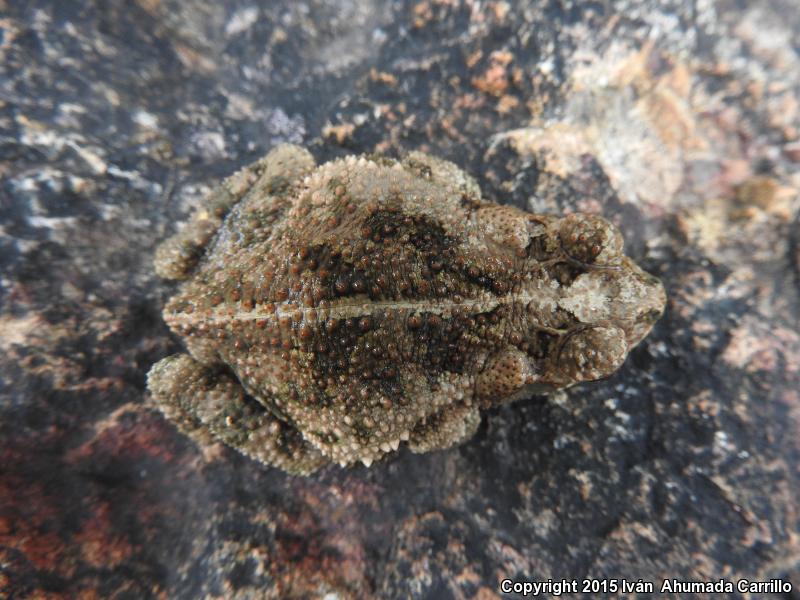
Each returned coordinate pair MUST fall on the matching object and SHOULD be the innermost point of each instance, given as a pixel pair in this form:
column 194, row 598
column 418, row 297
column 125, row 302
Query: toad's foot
column 208, row 405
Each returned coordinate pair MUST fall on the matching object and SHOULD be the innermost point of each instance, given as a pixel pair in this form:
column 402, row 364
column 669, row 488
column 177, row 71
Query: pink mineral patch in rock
column 754, row 349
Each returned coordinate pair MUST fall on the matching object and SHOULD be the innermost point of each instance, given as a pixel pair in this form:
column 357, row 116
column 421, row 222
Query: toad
column 332, row 313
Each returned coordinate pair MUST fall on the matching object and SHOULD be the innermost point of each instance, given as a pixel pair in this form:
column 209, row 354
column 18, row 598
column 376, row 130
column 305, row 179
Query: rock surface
column 678, row 121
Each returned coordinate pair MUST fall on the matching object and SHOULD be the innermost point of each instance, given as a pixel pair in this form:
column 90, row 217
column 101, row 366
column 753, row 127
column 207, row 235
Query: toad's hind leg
column 176, row 257
column 209, row 405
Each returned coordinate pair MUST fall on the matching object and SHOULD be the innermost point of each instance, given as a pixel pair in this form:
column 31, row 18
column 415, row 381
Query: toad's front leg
column 208, row 405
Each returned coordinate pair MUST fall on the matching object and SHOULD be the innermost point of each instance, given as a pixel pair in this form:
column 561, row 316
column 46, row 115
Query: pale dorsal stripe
column 346, row 308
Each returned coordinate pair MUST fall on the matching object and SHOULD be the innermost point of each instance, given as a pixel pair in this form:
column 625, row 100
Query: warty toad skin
column 333, row 312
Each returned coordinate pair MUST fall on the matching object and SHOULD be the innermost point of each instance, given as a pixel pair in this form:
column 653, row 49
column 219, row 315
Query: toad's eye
column 593, row 353
column 591, row 240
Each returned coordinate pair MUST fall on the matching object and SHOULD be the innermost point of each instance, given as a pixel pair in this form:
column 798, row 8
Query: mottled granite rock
column 677, row 121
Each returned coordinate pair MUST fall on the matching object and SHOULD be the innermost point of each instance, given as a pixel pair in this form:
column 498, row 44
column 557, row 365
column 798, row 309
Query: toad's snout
column 625, row 296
